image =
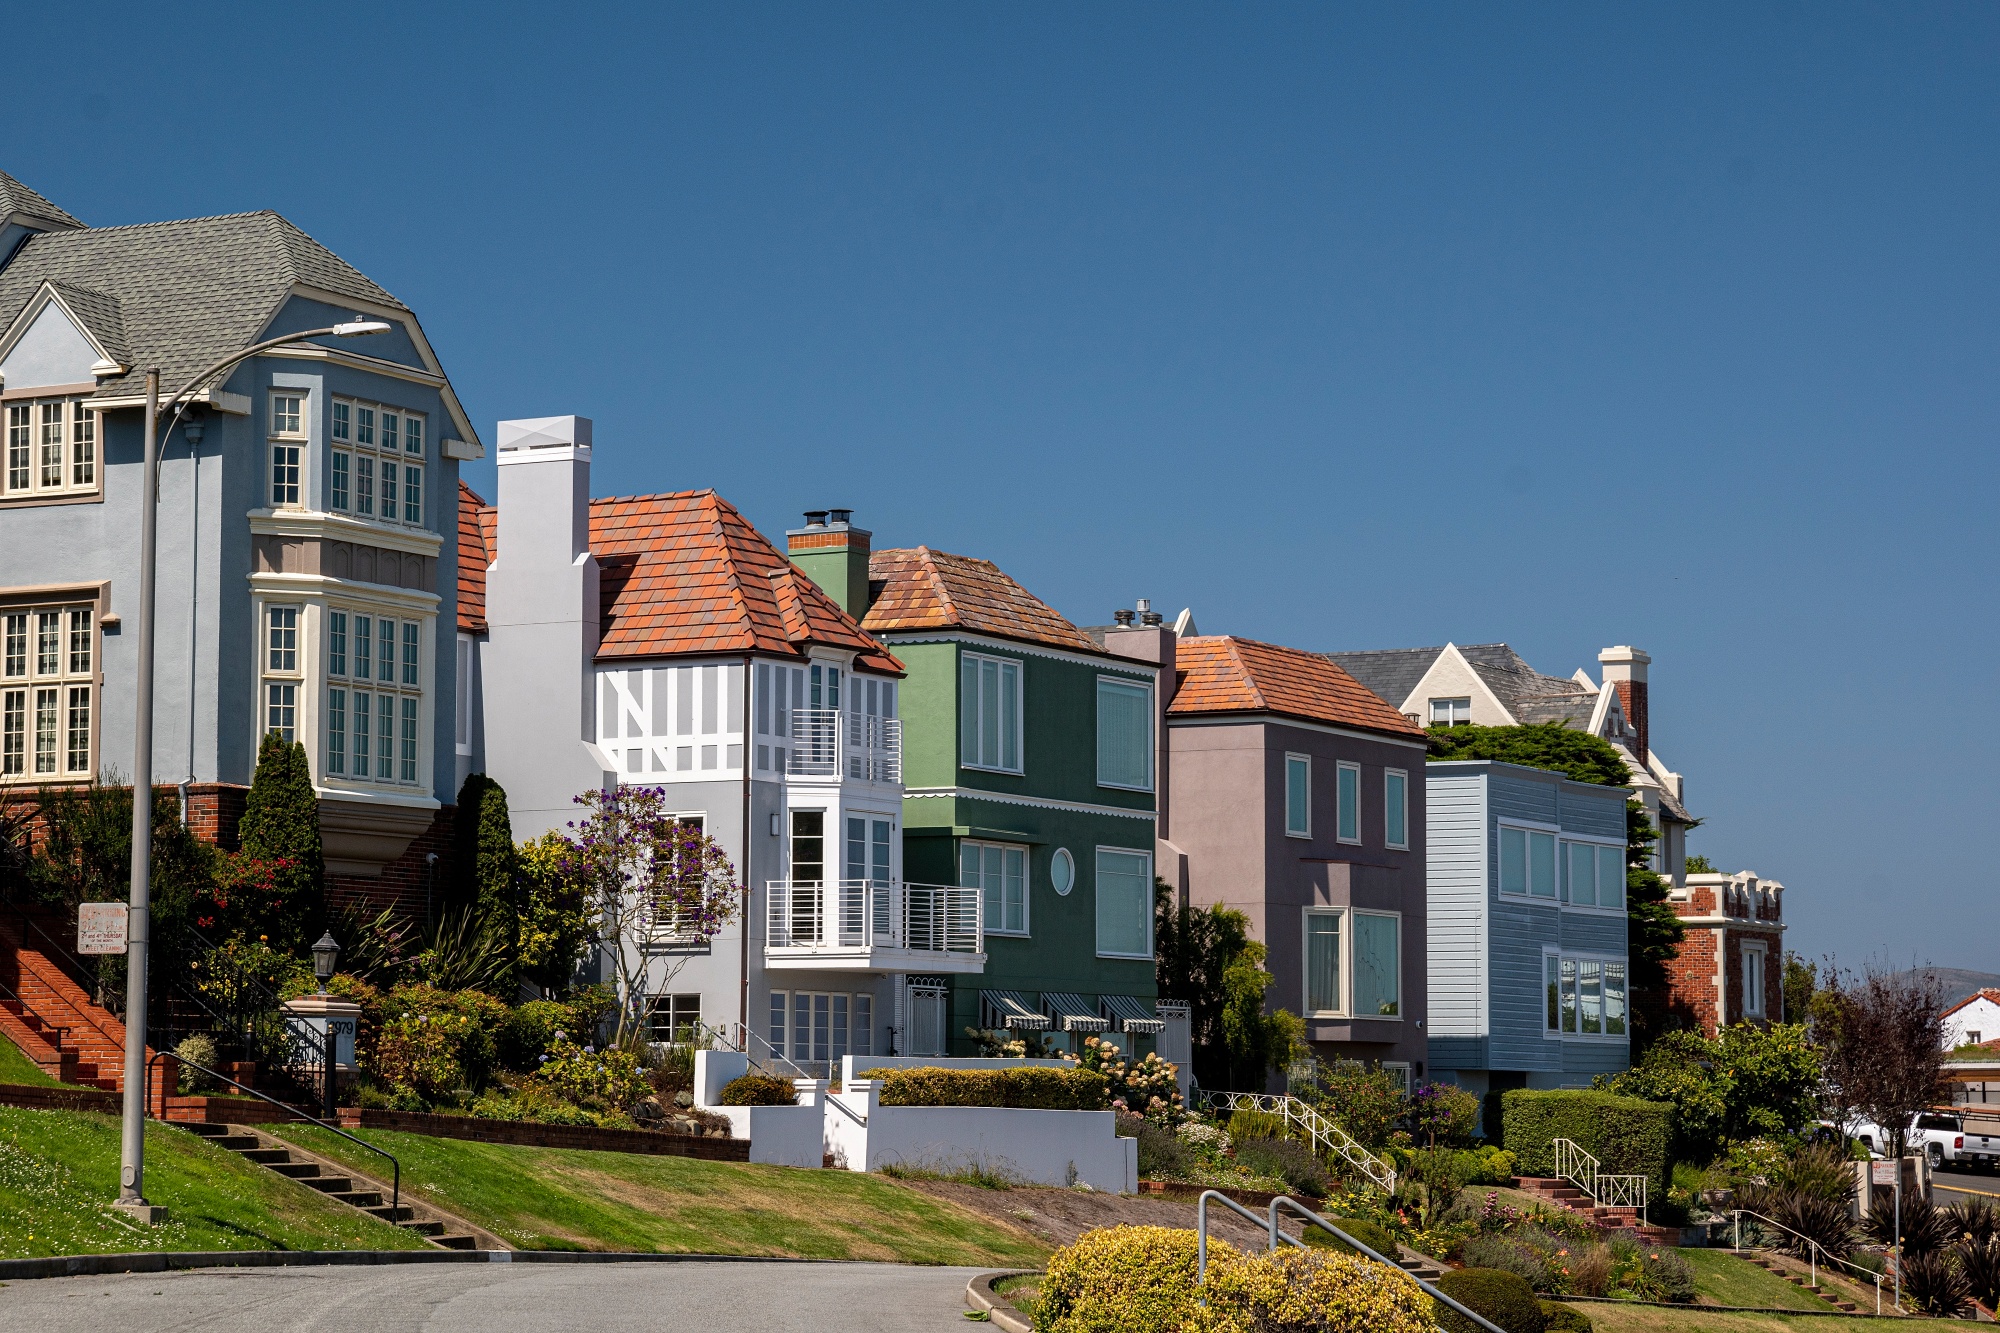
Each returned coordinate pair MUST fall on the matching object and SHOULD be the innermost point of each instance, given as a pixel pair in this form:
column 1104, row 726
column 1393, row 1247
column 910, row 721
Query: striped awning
column 1131, row 1014
column 1072, row 1013
column 1010, row 1009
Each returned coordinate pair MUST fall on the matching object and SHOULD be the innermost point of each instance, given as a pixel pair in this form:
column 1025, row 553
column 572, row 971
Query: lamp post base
column 151, row 1214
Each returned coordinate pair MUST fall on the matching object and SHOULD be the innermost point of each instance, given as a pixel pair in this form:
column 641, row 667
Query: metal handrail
column 1812, row 1258
column 1577, row 1165
column 828, row 914
column 396, row 1184
column 1278, row 1236
column 1320, row 1128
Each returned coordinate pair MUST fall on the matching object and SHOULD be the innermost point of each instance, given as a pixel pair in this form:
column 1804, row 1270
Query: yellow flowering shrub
column 1308, row 1291
column 1125, row 1280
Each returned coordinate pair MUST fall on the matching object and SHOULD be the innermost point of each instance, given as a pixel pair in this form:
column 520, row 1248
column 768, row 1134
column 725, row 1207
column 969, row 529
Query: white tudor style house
column 660, row 640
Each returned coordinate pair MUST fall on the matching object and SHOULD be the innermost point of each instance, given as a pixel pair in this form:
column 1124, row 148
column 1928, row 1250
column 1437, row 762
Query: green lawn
column 1727, row 1280
column 18, row 1068
column 560, row 1199
column 1612, row 1317
column 59, row 1170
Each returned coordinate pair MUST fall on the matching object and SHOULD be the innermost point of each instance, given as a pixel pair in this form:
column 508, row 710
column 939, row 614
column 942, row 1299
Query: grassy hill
column 59, row 1171
column 561, row 1199
column 18, row 1068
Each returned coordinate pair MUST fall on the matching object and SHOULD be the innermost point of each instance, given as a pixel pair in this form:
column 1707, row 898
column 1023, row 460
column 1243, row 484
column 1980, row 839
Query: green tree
column 1204, row 958
column 1799, row 983
column 1551, row 745
column 281, row 824
column 1255, row 1042
column 557, row 926
column 1697, row 865
column 1746, row 1082
column 485, row 874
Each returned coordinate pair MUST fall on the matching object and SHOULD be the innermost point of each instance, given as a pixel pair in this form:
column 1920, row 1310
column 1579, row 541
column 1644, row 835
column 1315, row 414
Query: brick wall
column 214, row 811
column 403, row 881
column 1691, row 979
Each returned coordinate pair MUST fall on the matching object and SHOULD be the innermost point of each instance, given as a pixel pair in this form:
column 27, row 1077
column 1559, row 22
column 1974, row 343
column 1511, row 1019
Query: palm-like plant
column 1925, row 1229
column 1936, row 1285
column 1980, row 1262
column 1974, row 1220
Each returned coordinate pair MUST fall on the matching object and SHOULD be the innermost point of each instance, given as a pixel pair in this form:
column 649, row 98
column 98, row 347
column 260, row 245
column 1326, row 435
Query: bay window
column 1353, row 963
column 374, row 697
column 281, row 671
column 48, row 690
column 51, row 450
column 1377, row 965
column 1323, row 992
column 377, row 462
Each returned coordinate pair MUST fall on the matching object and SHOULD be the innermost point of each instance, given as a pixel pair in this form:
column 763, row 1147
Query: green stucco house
column 1030, row 763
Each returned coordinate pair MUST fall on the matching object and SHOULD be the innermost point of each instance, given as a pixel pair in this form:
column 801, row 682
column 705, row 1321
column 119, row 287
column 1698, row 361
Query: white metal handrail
column 1605, row 1190
column 1813, row 1254
column 1323, row 1132
column 829, row 743
column 864, row 914
column 874, row 747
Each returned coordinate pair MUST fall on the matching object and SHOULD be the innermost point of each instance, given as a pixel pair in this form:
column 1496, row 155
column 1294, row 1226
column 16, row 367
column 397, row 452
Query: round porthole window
column 1062, row 872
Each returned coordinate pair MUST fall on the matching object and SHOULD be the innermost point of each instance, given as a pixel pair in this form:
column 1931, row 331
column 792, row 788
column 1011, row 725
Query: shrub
column 602, row 1079
column 1365, row 1102
column 759, row 1090
column 1979, row 1260
column 1506, row 1255
column 1823, row 1220
column 1443, row 1113
column 1925, row 1229
column 1935, row 1285
column 1565, row 1318
column 1628, row 1136
column 1162, row 1155
column 528, row 1032
column 1247, row 1122
column 1974, row 1220
column 1124, row 1280
column 1587, row 1271
column 1505, row 1298
column 1819, row 1171
column 1488, row 1164
column 1144, row 1087
column 436, row 1042
column 1374, row 1237
column 198, row 1049
column 1031, row 1089
column 1296, row 1291
column 280, row 824
column 1288, row 1160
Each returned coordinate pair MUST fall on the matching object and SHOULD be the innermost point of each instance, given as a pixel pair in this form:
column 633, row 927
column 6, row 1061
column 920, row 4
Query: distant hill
column 1959, row 982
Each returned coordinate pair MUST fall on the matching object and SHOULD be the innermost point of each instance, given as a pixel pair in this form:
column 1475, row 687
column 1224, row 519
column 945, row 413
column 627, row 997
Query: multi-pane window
column 822, row 1025
column 51, row 450
column 675, row 1017
column 1347, row 803
column 1298, row 795
column 1527, row 862
column 287, row 449
column 48, row 687
column 989, row 713
column 1124, row 734
column 1001, row 874
column 377, row 462
column 1323, row 990
column 1451, row 712
column 1595, row 875
column 1124, row 904
column 374, row 697
column 1585, row 996
column 281, row 671
column 1396, row 808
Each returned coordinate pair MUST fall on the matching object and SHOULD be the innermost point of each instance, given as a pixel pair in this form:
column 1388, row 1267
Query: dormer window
column 377, row 466
column 1451, row 712
column 51, row 450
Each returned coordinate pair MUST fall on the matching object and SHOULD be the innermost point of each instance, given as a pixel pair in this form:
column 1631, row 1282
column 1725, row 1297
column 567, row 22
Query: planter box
column 1029, row 1147
column 853, row 1066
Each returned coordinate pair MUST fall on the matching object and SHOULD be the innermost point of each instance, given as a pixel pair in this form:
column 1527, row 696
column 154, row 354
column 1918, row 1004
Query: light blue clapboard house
column 1528, row 968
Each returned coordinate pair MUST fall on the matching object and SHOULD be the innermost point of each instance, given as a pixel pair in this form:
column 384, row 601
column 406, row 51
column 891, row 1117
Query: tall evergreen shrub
column 281, row 823
column 1628, row 1136
column 485, row 872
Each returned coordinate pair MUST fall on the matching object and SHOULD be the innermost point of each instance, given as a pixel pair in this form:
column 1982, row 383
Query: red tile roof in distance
column 475, row 553
column 926, row 589
column 1221, row 673
column 687, row 573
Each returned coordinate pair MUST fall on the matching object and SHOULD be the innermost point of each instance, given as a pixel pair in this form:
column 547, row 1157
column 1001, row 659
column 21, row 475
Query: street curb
column 979, row 1294
column 93, row 1265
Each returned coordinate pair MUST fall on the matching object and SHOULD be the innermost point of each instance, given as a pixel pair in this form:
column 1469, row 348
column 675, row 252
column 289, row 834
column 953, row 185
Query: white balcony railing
column 827, row 743
column 856, row 914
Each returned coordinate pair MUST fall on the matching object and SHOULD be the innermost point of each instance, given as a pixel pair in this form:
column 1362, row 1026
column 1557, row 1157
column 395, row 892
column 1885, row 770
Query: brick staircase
column 54, row 1022
column 1561, row 1193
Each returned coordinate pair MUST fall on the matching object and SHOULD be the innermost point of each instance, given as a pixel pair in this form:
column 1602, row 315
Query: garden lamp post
column 138, row 932
column 324, row 954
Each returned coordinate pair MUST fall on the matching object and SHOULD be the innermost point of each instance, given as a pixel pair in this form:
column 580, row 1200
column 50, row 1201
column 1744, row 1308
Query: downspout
column 743, row 990
column 192, row 431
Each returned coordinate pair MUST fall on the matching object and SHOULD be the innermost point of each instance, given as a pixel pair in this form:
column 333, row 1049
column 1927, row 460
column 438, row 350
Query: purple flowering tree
column 658, row 885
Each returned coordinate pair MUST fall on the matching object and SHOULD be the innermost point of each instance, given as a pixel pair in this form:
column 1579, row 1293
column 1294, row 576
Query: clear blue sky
column 1348, row 327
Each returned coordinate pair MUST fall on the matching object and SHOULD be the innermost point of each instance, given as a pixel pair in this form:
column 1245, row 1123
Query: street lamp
column 132, row 1163
column 323, row 955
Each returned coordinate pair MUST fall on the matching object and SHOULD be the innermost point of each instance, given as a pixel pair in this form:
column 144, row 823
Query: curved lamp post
column 132, row 1163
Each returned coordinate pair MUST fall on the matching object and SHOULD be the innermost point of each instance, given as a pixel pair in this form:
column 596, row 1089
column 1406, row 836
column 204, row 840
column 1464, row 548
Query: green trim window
column 989, row 713
column 1347, row 803
column 1124, row 734
column 1124, row 904
column 1298, row 796
column 1000, row 873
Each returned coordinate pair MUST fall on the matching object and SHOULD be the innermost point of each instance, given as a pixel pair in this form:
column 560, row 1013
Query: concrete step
column 329, row 1184
column 267, row 1156
column 236, row 1142
column 399, row 1213
column 296, row 1170
column 456, row 1242
column 432, row 1229
column 363, row 1199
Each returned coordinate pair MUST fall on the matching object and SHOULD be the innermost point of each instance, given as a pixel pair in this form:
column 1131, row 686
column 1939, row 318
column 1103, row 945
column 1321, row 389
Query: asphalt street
column 1984, row 1186
column 500, row 1298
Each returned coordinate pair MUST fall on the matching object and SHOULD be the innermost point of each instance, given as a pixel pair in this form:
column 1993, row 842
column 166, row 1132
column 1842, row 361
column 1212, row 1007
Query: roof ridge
column 170, row 222
column 658, row 495
column 927, row 560
column 1249, row 674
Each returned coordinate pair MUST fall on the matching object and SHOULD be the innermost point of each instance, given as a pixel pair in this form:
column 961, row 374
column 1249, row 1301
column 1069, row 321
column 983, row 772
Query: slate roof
column 1391, row 673
column 475, row 553
column 187, row 293
column 1526, row 693
column 686, row 573
column 1221, row 673
column 923, row 589
column 18, row 198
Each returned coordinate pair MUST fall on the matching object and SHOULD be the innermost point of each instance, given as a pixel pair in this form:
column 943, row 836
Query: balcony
column 861, row 925
column 829, row 743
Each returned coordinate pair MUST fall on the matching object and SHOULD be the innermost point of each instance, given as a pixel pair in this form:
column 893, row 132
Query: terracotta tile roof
column 687, row 573
column 1224, row 674
column 475, row 553
column 1983, row 993
column 926, row 589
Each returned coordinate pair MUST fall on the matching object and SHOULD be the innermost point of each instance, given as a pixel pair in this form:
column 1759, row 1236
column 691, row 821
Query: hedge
column 1121, row 1279
column 1369, row 1234
column 1505, row 1298
column 1031, row 1089
column 1629, row 1137
column 759, row 1090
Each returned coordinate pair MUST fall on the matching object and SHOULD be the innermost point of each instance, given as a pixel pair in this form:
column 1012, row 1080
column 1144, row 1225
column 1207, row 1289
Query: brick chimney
column 833, row 553
column 1625, row 672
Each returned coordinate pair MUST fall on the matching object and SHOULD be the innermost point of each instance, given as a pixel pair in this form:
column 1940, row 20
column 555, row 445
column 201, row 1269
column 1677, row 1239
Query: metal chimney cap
column 840, row 516
column 1152, row 618
column 815, row 518
column 1122, row 617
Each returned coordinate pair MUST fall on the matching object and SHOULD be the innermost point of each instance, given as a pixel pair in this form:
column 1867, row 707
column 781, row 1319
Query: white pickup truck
column 1947, row 1138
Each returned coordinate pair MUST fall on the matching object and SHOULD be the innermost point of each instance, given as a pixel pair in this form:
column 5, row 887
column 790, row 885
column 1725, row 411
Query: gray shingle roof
column 1527, row 693
column 101, row 313
column 1391, row 673
column 187, row 293
column 18, row 198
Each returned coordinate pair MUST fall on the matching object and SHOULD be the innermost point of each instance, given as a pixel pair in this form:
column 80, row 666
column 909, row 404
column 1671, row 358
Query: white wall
column 1034, row 1147
column 778, row 1135
column 854, row 1065
column 1981, row 1016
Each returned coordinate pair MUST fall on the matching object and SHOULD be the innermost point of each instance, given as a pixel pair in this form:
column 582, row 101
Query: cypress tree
column 281, row 822
column 485, row 873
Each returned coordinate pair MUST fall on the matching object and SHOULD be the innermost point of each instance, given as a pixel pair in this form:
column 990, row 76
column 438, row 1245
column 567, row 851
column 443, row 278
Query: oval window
column 1062, row 872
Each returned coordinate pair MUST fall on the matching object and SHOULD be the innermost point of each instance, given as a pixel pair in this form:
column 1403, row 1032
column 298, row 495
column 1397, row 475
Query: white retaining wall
column 1031, row 1147
column 853, row 1066
column 778, row 1135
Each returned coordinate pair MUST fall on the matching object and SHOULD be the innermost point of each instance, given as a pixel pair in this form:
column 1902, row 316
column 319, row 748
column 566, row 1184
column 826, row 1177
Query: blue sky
column 1348, row 327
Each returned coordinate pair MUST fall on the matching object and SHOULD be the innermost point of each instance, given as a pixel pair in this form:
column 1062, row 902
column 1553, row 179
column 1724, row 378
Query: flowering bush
column 436, row 1043
column 1442, row 1112
column 1365, row 1102
column 606, row 1079
column 1146, row 1087
column 1124, row 1280
column 1200, row 1134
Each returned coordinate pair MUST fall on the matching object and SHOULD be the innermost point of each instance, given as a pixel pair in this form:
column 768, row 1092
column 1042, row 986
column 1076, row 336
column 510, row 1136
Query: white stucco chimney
column 542, row 619
column 1625, row 672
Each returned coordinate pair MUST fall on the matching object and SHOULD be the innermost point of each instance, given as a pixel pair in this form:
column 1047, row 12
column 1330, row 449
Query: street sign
column 100, row 927
column 1882, row 1173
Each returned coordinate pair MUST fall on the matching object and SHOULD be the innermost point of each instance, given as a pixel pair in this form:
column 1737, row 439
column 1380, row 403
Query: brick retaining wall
column 531, row 1135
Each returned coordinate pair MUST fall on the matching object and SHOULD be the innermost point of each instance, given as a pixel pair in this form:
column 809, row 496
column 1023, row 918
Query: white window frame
column 20, row 702
column 1761, row 951
column 1578, row 957
column 1527, row 894
column 1020, row 669
column 295, row 441
column 1342, row 769
column 1344, row 982
column 1388, row 807
column 1306, row 811
column 1096, row 888
column 1452, row 710
column 399, row 687
column 1565, row 892
column 1152, row 724
column 1027, row 884
column 786, row 1043
column 462, row 690
column 79, row 448
column 1354, row 934
column 377, row 453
